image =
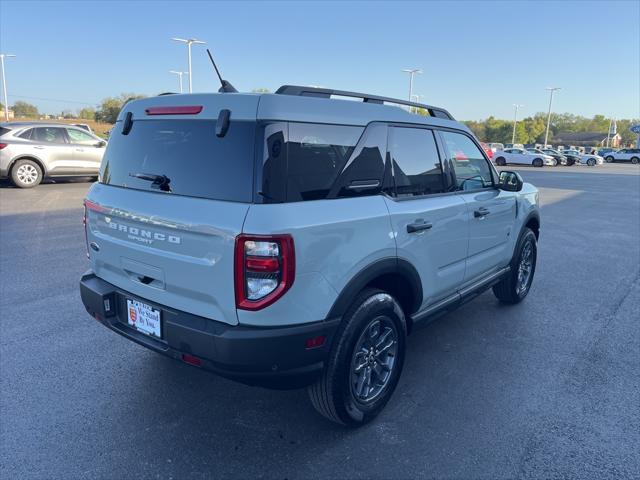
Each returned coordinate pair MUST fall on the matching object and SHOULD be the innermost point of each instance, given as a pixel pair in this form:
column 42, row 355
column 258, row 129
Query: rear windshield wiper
column 159, row 181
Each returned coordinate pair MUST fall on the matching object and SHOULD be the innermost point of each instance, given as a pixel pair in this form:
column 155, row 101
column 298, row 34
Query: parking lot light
column 179, row 74
column 4, row 85
column 411, row 72
column 515, row 121
column 189, row 42
column 551, row 90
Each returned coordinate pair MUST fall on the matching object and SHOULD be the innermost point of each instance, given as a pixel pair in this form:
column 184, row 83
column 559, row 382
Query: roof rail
column 328, row 92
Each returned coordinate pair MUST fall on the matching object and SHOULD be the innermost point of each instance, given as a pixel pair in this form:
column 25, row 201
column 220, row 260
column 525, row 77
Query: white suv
column 625, row 155
column 292, row 239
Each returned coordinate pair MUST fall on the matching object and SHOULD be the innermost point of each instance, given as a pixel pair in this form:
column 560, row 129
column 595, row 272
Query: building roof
column 584, row 137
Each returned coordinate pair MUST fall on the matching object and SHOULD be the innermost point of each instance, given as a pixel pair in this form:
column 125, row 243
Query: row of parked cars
column 538, row 157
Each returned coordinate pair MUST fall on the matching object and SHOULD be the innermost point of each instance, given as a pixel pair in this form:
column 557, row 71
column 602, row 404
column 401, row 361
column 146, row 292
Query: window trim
column 492, row 170
column 389, row 162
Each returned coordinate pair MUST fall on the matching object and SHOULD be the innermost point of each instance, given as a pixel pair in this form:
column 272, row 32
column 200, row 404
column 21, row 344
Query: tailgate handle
column 146, row 280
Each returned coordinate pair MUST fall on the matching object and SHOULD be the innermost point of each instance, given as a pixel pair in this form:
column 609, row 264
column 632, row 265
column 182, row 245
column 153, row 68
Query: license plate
column 144, row 318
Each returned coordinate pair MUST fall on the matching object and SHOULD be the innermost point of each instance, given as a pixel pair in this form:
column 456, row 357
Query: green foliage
column 24, row 109
column 87, row 113
column 110, row 107
column 260, row 90
column 532, row 129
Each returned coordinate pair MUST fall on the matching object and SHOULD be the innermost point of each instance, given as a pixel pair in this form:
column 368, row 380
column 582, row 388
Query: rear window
column 4, row 130
column 192, row 159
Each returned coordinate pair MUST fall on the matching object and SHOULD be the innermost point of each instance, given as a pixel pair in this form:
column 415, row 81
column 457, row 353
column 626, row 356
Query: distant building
column 586, row 139
column 2, row 117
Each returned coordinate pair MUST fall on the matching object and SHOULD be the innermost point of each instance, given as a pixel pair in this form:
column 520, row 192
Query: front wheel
column 635, row 160
column 591, row 162
column 365, row 362
column 538, row 162
column 609, row 159
column 515, row 286
column 501, row 162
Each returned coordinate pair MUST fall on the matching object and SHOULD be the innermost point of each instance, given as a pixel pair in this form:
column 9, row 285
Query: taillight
column 3, row 145
column 84, row 223
column 264, row 269
column 180, row 110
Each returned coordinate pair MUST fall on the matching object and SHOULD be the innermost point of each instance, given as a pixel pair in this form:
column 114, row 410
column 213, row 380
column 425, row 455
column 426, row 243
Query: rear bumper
column 269, row 357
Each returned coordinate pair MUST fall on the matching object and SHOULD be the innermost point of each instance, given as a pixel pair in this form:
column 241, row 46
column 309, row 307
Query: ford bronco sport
column 295, row 239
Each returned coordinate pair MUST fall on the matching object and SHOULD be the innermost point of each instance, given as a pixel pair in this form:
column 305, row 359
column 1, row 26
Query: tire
column 338, row 395
column 609, row 159
column 511, row 289
column 537, row 162
column 500, row 161
column 26, row 173
column 591, row 162
column 570, row 162
column 635, row 160
column 555, row 162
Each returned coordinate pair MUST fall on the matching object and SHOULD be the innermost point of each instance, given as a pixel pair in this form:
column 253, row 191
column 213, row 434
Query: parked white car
column 590, row 159
column 625, row 155
column 520, row 156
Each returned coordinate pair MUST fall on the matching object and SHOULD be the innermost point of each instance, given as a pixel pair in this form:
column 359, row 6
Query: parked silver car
column 30, row 151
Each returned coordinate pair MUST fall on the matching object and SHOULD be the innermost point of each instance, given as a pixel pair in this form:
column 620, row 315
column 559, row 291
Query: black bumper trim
column 273, row 357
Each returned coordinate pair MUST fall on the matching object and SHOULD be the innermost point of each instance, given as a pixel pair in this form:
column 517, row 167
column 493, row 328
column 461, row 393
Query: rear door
column 172, row 240
column 87, row 150
column 52, row 145
column 490, row 211
column 430, row 226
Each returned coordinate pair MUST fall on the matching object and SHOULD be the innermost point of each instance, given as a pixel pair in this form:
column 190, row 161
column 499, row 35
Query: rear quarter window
column 188, row 153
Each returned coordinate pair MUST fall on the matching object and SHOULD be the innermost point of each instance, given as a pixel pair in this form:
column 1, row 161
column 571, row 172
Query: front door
column 87, row 151
column 490, row 211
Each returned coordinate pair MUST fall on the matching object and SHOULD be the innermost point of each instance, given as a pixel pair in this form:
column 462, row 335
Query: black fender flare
column 384, row 266
column 534, row 215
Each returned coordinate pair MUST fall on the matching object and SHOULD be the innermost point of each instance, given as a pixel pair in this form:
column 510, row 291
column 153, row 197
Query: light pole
column 411, row 72
column 189, row 42
column 4, row 85
column 179, row 74
column 551, row 90
column 515, row 121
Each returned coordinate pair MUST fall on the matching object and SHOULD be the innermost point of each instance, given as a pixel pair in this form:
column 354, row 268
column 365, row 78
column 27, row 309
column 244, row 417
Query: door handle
column 39, row 147
column 79, row 149
column 481, row 212
column 418, row 226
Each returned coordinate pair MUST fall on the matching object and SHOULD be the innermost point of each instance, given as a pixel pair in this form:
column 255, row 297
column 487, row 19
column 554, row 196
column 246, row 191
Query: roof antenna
column 226, row 86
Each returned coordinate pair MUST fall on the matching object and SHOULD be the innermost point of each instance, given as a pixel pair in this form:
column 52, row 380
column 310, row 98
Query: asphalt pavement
column 548, row 388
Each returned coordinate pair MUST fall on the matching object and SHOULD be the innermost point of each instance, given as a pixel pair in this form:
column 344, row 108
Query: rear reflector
column 184, row 110
column 265, row 264
column 191, row 360
column 314, row 342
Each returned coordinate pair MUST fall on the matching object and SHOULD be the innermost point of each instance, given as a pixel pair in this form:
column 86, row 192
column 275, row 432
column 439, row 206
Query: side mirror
column 101, row 144
column 510, row 181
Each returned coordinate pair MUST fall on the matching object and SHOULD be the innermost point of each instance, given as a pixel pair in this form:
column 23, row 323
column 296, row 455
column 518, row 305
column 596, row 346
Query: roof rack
column 328, row 92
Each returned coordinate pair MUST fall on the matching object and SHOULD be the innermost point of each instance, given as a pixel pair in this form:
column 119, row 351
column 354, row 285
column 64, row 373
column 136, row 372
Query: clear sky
column 478, row 57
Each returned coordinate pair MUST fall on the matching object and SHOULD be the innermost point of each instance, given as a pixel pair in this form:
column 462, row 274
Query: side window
column 49, row 135
column 416, row 164
column 77, row 136
column 26, row 134
column 363, row 172
column 316, row 154
column 471, row 168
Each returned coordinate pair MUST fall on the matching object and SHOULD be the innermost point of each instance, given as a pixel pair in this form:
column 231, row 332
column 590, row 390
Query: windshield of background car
column 195, row 162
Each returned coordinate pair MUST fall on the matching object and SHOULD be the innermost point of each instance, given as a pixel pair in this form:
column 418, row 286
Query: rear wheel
column 500, row 161
column 515, row 286
column 609, row 159
column 555, row 162
column 537, row 162
column 591, row 162
column 570, row 162
column 365, row 362
column 26, row 173
column 635, row 160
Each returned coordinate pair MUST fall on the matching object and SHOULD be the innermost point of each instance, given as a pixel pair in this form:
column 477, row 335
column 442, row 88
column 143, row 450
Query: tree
column 87, row 113
column 110, row 107
column 24, row 109
column 260, row 90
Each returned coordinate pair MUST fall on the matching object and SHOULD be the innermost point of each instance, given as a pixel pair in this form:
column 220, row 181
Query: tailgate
column 174, row 250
